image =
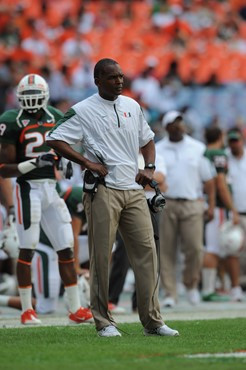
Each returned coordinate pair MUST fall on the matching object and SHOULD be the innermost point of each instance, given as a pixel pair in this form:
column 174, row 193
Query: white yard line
column 218, row 355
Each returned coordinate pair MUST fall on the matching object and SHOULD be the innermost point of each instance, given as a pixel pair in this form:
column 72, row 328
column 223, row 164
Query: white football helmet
column 32, row 93
column 231, row 238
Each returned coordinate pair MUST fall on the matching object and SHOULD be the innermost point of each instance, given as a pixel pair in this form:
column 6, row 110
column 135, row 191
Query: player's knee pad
column 62, row 236
column 65, row 237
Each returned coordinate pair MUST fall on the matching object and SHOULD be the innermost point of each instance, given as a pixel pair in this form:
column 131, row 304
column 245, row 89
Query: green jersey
column 219, row 158
column 28, row 135
column 73, row 199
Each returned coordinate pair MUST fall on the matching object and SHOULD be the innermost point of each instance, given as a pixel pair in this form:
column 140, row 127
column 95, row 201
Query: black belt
column 242, row 213
column 178, row 199
column 101, row 181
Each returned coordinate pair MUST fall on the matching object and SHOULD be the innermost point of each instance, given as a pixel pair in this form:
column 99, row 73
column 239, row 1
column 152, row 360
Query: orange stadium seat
column 242, row 30
column 230, row 68
column 32, row 9
column 141, row 9
column 187, row 64
column 124, row 31
column 237, row 4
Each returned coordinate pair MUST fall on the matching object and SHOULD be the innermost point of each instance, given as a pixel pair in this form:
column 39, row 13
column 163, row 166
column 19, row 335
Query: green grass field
column 79, row 347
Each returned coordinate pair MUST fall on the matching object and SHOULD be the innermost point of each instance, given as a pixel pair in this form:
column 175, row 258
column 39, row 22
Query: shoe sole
column 159, row 335
column 219, row 300
column 109, row 336
column 31, row 323
column 72, row 322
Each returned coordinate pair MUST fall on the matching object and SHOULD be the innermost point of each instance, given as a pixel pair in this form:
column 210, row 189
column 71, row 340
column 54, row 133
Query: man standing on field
column 112, row 128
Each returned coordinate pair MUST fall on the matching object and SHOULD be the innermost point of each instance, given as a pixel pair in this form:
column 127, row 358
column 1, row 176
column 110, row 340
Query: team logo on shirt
column 128, row 114
column 25, row 122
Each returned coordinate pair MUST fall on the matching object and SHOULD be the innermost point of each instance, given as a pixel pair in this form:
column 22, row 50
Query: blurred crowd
column 176, row 54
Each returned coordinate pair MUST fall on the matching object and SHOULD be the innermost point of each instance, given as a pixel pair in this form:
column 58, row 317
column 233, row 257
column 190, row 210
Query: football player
column 214, row 256
column 25, row 155
column 45, row 273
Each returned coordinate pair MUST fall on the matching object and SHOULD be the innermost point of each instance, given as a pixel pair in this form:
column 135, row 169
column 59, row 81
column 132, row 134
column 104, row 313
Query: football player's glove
column 47, row 159
column 10, row 240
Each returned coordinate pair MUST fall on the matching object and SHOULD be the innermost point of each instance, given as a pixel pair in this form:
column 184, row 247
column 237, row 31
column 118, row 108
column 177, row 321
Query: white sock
column 73, row 298
column 208, row 280
column 4, row 300
column 26, row 298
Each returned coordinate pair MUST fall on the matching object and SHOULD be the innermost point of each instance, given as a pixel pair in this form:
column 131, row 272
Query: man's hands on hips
column 144, row 177
column 99, row 168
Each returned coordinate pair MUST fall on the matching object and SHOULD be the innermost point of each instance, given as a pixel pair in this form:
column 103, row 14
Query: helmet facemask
column 32, row 93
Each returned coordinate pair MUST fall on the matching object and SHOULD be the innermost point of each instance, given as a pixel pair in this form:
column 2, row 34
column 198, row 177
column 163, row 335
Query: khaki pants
column 181, row 219
column 126, row 210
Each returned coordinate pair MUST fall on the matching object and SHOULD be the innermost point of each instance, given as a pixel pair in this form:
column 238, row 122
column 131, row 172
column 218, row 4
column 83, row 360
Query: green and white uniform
column 36, row 199
column 219, row 158
column 28, row 135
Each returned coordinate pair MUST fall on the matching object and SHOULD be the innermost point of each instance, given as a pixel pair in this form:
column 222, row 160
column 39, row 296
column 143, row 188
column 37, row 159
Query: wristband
column 150, row 166
column 27, row 166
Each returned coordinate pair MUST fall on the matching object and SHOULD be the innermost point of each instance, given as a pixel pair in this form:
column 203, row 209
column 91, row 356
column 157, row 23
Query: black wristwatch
column 149, row 166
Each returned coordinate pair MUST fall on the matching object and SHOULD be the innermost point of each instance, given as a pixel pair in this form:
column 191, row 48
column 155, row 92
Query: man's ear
column 97, row 81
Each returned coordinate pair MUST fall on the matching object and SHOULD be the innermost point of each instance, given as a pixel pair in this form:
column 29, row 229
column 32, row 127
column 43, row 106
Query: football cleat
column 215, row 297
column 168, row 302
column 236, row 294
column 193, row 296
column 80, row 316
column 163, row 330
column 109, row 331
column 114, row 309
column 29, row 317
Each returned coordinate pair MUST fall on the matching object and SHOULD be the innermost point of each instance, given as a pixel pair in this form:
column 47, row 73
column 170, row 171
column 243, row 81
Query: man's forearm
column 148, row 152
column 224, row 193
column 9, row 170
column 66, row 151
column 6, row 190
column 209, row 187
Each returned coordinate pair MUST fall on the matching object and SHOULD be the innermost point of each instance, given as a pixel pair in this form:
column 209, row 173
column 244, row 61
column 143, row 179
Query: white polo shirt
column 112, row 130
column 237, row 179
column 186, row 167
